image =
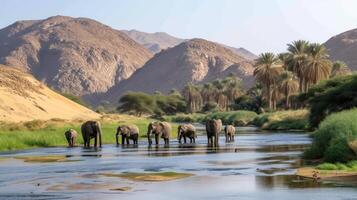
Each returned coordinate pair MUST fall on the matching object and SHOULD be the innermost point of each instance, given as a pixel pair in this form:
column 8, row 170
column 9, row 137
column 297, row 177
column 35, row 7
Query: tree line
column 280, row 79
column 295, row 71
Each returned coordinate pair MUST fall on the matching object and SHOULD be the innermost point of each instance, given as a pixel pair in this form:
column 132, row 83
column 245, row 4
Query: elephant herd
column 92, row 130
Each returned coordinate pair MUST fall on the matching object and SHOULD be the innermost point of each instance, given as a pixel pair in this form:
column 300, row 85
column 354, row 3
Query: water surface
column 258, row 165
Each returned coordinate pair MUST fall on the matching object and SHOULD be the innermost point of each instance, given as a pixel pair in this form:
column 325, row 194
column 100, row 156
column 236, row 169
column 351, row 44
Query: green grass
column 51, row 133
column 238, row 118
column 350, row 166
column 283, row 120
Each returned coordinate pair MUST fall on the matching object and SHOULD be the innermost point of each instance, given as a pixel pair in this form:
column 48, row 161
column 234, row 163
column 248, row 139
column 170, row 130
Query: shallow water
column 258, row 165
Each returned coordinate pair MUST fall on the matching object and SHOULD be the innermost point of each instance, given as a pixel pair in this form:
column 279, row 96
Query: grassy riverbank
column 17, row 136
column 283, row 120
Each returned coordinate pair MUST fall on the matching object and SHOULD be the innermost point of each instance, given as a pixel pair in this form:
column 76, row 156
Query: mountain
column 344, row 47
column 74, row 55
column 243, row 53
column 196, row 61
column 23, row 98
column 156, row 42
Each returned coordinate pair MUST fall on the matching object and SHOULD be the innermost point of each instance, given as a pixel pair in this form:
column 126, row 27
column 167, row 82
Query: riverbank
column 50, row 133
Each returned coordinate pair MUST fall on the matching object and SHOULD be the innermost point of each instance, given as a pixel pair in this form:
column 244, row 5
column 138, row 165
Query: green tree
column 137, row 102
column 288, row 85
column 267, row 70
column 297, row 55
column 317, row 65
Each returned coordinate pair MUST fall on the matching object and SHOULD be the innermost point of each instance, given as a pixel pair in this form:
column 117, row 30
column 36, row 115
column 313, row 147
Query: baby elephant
column 71, row 136
column 127, row 132
column 229, row 131
column 186, row 130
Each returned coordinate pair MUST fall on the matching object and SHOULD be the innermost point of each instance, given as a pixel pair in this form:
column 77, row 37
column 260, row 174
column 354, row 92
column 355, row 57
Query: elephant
column 186, row 130
column 229, row 131
column 162, row 129
column 213, row 129
column 127, row 132
column 71, row 136
column 91, row 129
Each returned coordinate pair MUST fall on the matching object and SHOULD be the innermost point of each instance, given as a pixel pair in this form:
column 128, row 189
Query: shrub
column 331, row 140
column 283, row 120
column 331, row 96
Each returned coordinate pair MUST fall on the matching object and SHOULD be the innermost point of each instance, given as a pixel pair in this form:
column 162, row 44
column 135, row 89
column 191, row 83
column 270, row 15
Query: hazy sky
column 257, row 25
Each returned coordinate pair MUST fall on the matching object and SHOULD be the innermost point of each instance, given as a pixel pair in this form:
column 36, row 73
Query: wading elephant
column 91, row 129
column 162, row 129
column 127, row 132
column 213, row 129
column 71, row 136
column 229, row 132
column 186, row 130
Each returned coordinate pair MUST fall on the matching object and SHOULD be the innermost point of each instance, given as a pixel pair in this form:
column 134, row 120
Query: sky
column 257, row 25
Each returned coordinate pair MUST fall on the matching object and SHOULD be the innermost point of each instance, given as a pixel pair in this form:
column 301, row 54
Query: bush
column 331, row 140
column 331, row 96
column 283, row 120
column 350, row 166
column 140, row 103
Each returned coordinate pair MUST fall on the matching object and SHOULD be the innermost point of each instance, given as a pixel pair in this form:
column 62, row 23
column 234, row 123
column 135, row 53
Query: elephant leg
column 216, row 137
column 122, row 139
column 227, row 138
column 127, row 140
column 72, row 142
column 194, row 140
column 184, row 139
column 88, row 142
column 117, row 139
column 233, row 138
column 95, row 141
column 157, row 137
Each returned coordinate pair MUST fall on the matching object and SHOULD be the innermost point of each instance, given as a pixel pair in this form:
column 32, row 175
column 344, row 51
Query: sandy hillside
column 23, row 98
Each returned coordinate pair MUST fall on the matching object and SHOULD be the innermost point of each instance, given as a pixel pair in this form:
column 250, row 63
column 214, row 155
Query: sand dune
column 23, row 98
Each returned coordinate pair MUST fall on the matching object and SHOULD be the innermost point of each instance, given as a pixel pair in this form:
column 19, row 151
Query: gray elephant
column 162, row 129
column 186, row 130
column 91, row 129
column 127, row 132
column 229, row 132
column 71, row 136
column 213, row 129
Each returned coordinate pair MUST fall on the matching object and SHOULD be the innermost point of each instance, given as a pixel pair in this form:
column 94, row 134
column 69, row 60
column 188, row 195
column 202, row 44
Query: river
column 258, row 165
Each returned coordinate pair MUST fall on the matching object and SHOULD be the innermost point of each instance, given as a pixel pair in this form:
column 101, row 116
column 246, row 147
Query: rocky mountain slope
column 76, row 55
column 23, row 98
column 196, row 61
column 344, row 47
column 156, row 42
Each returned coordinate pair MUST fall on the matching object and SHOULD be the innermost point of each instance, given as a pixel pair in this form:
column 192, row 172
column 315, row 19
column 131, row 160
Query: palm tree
column 317, row 65
column 191, row 94
column 284, row 58
column 267, row 69
column 288, row 85
column 339, row 68
column 297, row 58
